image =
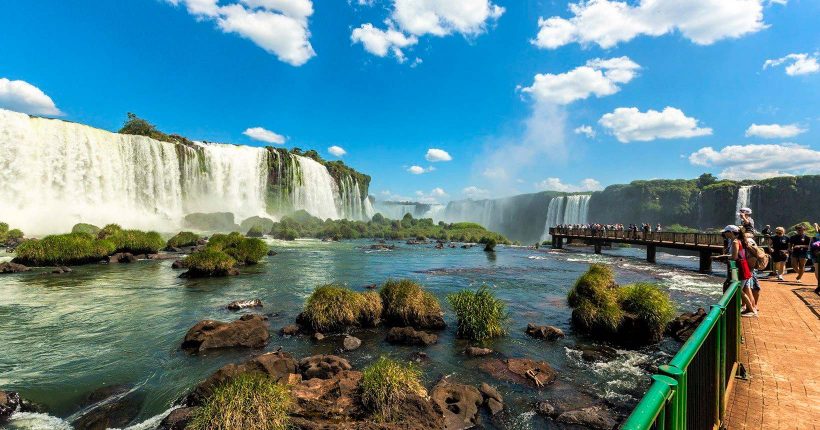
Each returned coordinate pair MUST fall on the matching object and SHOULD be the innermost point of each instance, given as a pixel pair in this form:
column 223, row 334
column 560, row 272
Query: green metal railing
column 691, row 391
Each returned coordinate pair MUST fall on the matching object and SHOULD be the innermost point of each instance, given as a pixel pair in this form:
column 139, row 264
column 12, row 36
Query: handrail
column 692, row 390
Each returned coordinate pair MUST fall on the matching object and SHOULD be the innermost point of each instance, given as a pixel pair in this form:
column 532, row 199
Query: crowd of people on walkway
column 643, row 227
column 751, row 258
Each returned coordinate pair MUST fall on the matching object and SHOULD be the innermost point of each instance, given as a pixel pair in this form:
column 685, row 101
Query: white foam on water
column 35, row 421
column 621, row 374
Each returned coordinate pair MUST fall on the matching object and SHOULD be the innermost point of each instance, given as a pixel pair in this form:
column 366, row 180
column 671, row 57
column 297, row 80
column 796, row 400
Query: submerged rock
column 179, row 264
column 410, row 336
column 475, row 351
column 598, row 353
column 178, row 419
column 249, row 331
column 9, row 267
column 546, row 332
column 523, row 371
column 682, row 327
column 59, row 270
column 9, row 403
column 322, row 366
column 121, row 257
column 290, row 330
column 593, row 417
column 107, row 407
column 458, row 402
column 351, row 343
column 242, row 304
column 333, row 399
column 492, row 398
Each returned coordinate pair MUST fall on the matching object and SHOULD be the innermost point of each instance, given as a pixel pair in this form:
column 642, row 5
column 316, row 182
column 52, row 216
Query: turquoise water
column 64, row 336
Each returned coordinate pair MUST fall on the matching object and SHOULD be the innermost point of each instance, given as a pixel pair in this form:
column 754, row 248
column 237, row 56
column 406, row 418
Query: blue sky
column 513, row 91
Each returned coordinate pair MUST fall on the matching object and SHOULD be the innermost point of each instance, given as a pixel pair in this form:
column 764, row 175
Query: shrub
column 333, row 307
column 209, row 262
column 594, row 299
column 108, row 231
column 649, row 304
column 479, row 313
column 136, row 241
column 63, row 249
column 243, row 249
column 490, row 244
column 85, row 228
column 183, row 238
column 385, row 384
column 14, row 233
column 406, row 303
column 251, row 401
column 257, row 224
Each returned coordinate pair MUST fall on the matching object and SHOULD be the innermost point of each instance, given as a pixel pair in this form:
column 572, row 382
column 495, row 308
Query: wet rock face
column 9, row 267
column 322, row 366
column 249, row 331
column 524, row 371
column 351, row 343
column 109, row 407
column 410, row 336
column 243, row 304
column 682, row 327
column 597, row 353
column 545, row 332
column 279, row 366
column 593, row 417
column 121, row 257
column 459, row 404
column 179, row 264
column 178, row 419
column 59, row 270
column 327, row 399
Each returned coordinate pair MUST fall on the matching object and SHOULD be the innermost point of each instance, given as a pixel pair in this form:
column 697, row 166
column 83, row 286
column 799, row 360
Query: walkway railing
column 691, row 392
column 712, row 239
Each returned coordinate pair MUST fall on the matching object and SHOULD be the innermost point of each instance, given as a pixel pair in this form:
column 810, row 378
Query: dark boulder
column 290, row 330
column 322, row 366
column 545, row 332
column 522, row 371
column 9, row 267
column 9, row 403
column 492, row 398
column 333, row 399
column 410, row 336
column 121, row 257
column 271, row 253
column 179, row 264
column 107, row 407
column 59, row 270
column 682, row 327
column 459, row 403
column 242, row 304
column 598, row 353
column 178, row 419
column 249, row 331
column 593, row 417
column 475, row 351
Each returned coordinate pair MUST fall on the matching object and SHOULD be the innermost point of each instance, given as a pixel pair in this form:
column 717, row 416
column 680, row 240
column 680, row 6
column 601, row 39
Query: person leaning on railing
column 736, row 251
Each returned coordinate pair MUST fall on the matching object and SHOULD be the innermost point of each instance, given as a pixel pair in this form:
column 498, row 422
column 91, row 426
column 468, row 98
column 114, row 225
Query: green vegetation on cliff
column 140, row 127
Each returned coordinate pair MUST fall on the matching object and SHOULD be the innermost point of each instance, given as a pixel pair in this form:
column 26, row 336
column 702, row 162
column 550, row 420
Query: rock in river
column 178, row 419
column 410, row 336
column 242, row 304
column 458, row 402
column 351, row 342
column 322, row 366
column 249, row 331
column 9, row 267
column 523, row 371
column 546, row 332
column 475, row 351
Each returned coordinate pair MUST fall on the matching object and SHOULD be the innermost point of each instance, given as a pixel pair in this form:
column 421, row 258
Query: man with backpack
column 757, row 260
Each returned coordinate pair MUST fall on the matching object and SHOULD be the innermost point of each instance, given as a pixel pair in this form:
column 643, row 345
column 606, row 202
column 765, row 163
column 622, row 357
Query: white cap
column 731, row 228
column 746, row 211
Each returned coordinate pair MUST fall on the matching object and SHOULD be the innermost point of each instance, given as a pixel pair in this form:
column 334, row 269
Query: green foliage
column 677, row 228
column 256, row 225
column 385, row 384
column 183, row 238
column 140, row 127
column 251, row 401
column 594, row 299
column 705, row 180
column 209, row 262
column 479, row 313
column 406, row 303
column 245, row 250
column 333, row 307
column 63, row 249
column 378, row 219
column 85, row 228
column 489, row 245
column 136, row 241
column 652, row 306
column 255, row 231
column 108, row 231
column 809, row 229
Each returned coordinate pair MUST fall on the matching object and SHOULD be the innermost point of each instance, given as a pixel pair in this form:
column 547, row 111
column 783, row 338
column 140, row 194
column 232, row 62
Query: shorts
column 752, row 283
column 800, row 255
column 780, row 256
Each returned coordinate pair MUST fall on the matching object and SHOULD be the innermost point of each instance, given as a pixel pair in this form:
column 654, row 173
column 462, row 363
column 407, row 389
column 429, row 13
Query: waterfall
column 555, row 215
column 744, row 199
column 576, row 210
column 54, row 174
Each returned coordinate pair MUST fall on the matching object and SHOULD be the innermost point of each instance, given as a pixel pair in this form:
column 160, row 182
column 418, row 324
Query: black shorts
column 800, row 255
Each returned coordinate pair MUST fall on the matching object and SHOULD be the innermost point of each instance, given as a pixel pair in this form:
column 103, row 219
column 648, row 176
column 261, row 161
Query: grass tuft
column 209, row 262
column 652, row 306
column 594, row 299
column 479, row 313
column 407, row 303
column 333, row 307
column 245, row 250
column 183, row 238
column 385, row 384
column 251, row 401
column 63, row 249
column 85, row 228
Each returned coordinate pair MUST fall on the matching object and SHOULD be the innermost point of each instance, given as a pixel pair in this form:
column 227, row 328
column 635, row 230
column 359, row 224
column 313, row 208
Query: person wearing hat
column 799, row 250
column 736, row 251
column 780, row 252
column 746, row 220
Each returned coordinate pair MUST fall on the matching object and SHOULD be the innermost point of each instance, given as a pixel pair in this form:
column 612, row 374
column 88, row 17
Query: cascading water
column 54, row 174
column 744, row 199
column 555, row 215
column 576, row 210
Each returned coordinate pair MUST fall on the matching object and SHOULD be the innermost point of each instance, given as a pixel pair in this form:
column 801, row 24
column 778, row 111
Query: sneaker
column 749, row 315
column 780, row 278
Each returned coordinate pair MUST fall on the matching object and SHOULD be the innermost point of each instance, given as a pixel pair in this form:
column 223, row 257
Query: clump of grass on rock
column 406, row 303
column 85, row 228
column 183, row 238
column 63, row 249
column 333, row 307
column 133, row 241
column 245, row 250
column 480, row 314
column 223, row 253
column 650, row 306
column 251, row 401
column 594, row 300
column 209, row 262
column 386, row 384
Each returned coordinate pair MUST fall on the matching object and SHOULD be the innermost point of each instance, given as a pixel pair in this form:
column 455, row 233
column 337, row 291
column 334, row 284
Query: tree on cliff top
column 140, row 127
column 706, row 179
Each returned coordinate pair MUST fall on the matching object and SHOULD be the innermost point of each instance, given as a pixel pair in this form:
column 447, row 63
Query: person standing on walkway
column 746, row 220
column 767, row 234
column 780, row 252
column 799, row 250
column 737, row 252
column 815, row 250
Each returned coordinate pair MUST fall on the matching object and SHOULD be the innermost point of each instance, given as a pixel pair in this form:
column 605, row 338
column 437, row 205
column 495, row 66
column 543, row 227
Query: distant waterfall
column 555, row 215
column 397, row 210
column 55, row 173
column 566, row 210
column 744, row 199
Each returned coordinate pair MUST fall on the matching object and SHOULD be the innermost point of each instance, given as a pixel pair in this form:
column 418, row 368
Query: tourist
column 746, row 220
column 815, row 251
column 767, row 234
column 737, row 252
column 752, row 261
column 799, row 250
column 780, row 252
column 658, row 228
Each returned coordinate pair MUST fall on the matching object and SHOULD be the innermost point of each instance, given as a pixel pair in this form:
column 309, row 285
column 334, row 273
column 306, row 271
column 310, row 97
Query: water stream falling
column 57, row 173
column 744, row 199
column 566, row 210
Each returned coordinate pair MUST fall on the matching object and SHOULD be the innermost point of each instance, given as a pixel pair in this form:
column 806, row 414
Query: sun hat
column 731, row 228
column 746, row 211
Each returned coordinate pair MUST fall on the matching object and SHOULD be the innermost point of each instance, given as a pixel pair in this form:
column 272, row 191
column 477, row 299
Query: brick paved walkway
column 782, row 354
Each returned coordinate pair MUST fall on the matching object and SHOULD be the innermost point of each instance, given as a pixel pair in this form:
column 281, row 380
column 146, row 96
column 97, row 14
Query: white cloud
column 798, row 64
column 411, row 19
column 774, row 131
column 609, row 22
column 555, row 184
column 759, row 161
column 23, row 97
column 435, row 155
column 438, row 192
column 280, row 27
column 379, row 42
column 336, row 150
column 630, row 124
column 586, row 130
column 418, row 170
column 432, row 197
column 598, row 77
column 474, row 192
column 263, row 135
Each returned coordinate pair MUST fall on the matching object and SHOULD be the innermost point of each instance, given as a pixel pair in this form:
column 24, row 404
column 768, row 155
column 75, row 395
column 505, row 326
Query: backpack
column 815, row 250
column 756, row 256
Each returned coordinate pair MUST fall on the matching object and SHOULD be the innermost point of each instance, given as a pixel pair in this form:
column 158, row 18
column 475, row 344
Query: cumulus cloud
column 774, row 131
column 418, row 170
column 555, row 184
column 263, row 135
column 338, row 151
column 23, row 97
column 280, row 27
column 630, row 124
column 410, row 19
column 586, row 130
column 599, row 77
column 474, row 192
column 609, row 22
column 435, row 155
column 432, row 197
column 797, row 64
column 759, row 161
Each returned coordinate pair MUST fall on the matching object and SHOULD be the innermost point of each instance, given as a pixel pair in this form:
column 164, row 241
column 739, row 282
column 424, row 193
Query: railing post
column 720, row 359
column 680, row 405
